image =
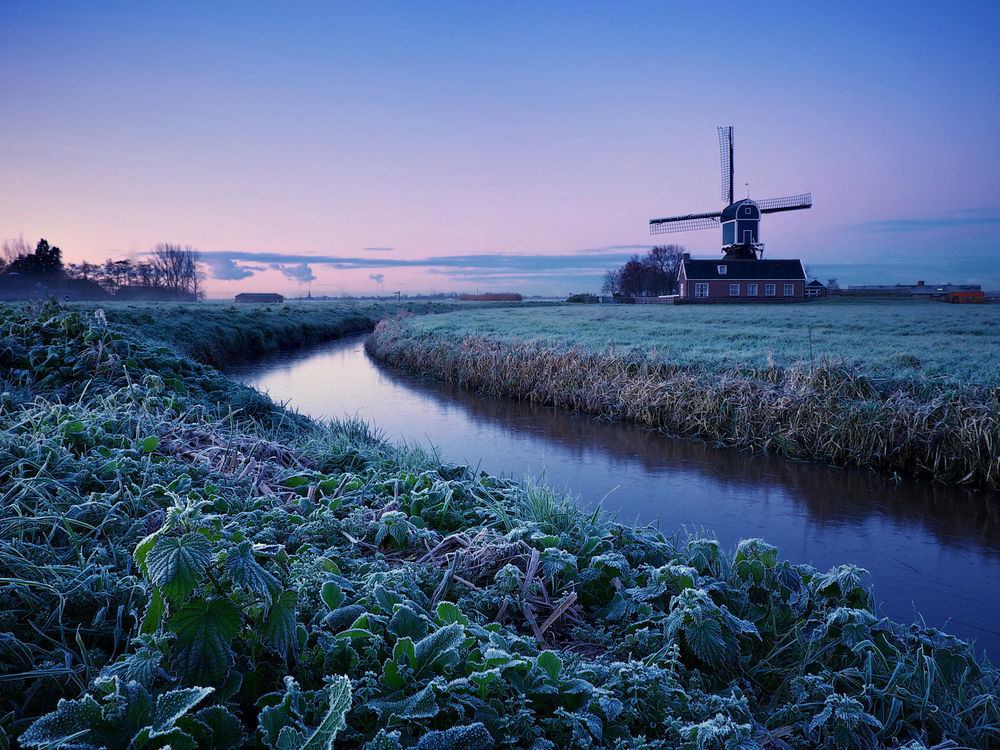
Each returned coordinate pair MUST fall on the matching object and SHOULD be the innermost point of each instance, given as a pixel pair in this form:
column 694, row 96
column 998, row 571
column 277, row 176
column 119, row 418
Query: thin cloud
column 378, row 278
column 925, row 225
column 380, row 249
column 576, row 261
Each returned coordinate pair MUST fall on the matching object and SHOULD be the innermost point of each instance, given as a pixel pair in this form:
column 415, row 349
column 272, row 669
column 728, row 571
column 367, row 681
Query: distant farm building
column 920, row 290
column 259, row 297
column 815, row 289
column 730, row 280
column 966, row 297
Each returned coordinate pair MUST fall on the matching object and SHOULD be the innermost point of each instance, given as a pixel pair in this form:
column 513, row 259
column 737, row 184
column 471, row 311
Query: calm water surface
column 930, row 548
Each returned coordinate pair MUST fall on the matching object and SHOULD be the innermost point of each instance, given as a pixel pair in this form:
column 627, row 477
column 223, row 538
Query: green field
column 945, row 344
column 183, row 563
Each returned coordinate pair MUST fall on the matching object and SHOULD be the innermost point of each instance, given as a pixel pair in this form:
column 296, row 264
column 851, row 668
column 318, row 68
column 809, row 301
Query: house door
column 747, row 236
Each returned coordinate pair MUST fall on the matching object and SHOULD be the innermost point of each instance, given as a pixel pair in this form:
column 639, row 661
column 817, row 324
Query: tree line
column 169, row 271
column 648, row 276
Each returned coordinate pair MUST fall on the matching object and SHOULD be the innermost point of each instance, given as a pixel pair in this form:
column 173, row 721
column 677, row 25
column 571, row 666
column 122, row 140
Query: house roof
column 790, row 270
column 816, row 282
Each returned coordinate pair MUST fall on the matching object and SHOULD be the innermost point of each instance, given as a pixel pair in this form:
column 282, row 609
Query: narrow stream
column 930, row 548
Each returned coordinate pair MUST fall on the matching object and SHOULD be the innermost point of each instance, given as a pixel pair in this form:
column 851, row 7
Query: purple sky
column 372, row 147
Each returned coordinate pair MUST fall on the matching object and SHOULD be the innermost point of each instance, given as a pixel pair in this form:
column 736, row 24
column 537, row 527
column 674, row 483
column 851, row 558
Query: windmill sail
column 684, row 223
column 789, row 203
column 726, row 154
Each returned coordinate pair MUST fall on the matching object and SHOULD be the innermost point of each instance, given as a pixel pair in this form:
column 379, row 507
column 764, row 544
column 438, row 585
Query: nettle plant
column 211, row 603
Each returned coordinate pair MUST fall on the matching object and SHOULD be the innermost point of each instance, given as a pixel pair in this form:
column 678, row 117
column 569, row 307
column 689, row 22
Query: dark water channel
column 930, row 548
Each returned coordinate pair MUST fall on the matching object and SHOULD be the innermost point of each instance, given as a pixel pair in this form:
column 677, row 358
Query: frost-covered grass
column 220, row 333
column 906, row 339
column 185, row 564
column 743, row 384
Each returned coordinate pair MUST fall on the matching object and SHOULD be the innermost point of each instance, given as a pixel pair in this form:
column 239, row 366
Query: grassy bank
column 186, row 564
column 219, row 334
column 899, row 387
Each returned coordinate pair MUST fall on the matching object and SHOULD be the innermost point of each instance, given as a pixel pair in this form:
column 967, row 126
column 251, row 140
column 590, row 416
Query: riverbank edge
column 826, row 413
column 222, row 335
column 326, row 491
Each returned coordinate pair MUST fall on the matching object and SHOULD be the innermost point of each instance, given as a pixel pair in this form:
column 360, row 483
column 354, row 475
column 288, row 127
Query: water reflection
column 830, row 494
column 930, row 547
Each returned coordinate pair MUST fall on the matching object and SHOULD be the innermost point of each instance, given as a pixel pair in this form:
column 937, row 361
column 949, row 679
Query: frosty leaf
column 250, row 574
column 471, row 737
column 448, row 613
column 334, row 721
column 551, row 663
column 289, row 738
column 406, row 623
column 176, row 564
column 154, row 613
column 418, row 706
column 66, row 727
column 143, row 547
column 140, row 667
column 278, row 630
column 204, row 628
column 173, row 705
column 705, row 641
column 332, row 595
column 438, row 648
column 225, row 732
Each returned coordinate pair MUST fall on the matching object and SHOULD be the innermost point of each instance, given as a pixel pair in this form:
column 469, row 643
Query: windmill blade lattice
column 684, row 223
column 789, row 203
column 726, row 155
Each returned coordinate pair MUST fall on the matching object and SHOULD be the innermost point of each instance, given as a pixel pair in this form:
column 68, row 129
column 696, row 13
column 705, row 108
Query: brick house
column 730, row 280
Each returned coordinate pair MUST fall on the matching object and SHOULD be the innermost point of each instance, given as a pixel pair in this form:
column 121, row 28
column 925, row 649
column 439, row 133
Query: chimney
column 687, row 256
column 920, row 283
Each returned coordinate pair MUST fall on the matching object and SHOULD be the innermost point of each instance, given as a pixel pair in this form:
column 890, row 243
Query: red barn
column 729, row 280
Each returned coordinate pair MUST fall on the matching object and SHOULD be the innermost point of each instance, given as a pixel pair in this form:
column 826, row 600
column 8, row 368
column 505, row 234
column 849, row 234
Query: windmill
column 740, row 220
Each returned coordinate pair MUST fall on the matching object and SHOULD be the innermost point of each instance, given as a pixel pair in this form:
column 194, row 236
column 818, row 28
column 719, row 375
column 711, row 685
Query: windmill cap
column 731, row 211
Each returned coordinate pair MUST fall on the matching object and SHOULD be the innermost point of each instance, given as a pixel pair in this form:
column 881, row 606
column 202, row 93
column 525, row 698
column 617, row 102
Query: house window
column 789, row 290
column 682, row 288
column 768, row 290
column 751, row 290
column 722, row 270
column 701, row 290
column 747, row 210
column 734, row 290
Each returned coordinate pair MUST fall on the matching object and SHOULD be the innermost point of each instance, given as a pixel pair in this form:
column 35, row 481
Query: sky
column 366, row 148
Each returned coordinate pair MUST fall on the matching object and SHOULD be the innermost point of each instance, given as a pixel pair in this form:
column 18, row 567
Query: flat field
column 911, row 340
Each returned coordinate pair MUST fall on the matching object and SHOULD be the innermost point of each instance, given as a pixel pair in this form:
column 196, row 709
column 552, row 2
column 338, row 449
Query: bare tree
column 612, row 281
column 664, row 261
column 653, row 274
column 11, row 250
column 177, row 269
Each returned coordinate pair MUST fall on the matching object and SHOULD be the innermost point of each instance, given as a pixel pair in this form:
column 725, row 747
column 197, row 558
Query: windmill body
column 740, row 220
